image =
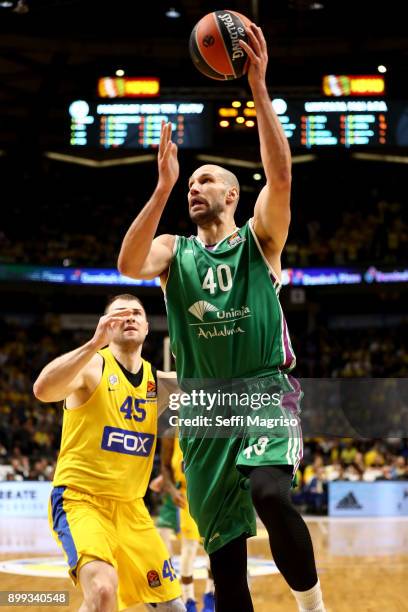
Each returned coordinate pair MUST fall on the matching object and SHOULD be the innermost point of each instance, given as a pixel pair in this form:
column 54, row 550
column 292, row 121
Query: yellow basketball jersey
column 177, row 465
column 108, row 443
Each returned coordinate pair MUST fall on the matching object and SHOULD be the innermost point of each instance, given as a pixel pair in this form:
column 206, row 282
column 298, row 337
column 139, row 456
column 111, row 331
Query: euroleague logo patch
column 208, row 41
column 235, row 239
column 153, row 579
column 151, row 389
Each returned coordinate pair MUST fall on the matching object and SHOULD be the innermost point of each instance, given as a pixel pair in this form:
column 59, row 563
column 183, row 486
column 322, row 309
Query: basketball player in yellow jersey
column 172, row 467
column 109, row 431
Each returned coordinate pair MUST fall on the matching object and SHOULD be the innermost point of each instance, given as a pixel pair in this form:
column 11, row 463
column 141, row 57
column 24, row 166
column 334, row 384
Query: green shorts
column 168, row 515
column 215, row 467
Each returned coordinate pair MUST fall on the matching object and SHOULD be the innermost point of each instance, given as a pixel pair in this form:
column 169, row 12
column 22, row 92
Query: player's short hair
column 123, row 296
column 229, row 178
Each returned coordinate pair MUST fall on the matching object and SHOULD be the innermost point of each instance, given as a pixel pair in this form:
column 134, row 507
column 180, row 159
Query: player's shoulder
column 95, row 367
column 166, row 240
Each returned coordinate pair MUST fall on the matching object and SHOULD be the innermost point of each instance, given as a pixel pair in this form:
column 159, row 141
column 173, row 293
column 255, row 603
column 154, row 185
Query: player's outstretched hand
column 257, row 52
column 157, row 484
column 178, row 499
column 167, row 159
column 108, row 325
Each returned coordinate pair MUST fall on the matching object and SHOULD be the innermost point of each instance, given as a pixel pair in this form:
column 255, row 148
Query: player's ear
column 232, row 195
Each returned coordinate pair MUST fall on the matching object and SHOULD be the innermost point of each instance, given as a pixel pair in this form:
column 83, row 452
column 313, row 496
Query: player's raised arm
column 272, row 209
column 140, row 256
column 73, row 371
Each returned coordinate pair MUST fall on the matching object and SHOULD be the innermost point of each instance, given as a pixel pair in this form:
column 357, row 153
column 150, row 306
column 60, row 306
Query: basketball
column 214, row 45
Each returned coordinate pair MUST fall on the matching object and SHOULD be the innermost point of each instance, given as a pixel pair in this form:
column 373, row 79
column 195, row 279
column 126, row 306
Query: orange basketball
column 214, row 45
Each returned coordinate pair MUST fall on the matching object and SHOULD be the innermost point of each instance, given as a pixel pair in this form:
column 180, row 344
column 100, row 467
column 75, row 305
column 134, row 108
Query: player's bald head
column 225, row 175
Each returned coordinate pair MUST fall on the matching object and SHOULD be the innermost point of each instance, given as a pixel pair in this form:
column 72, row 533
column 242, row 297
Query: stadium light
column 172, row 13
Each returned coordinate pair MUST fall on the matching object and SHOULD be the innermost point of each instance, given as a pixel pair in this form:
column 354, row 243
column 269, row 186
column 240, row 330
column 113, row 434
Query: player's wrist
column 258, row 88
column 163, row 189
column 94, row 345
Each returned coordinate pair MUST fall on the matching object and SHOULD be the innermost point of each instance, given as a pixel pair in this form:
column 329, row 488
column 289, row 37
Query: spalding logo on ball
column 214, row 45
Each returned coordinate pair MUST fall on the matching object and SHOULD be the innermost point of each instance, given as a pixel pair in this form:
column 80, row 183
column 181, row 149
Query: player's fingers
column 261, row 37
column 164, row 138
column 170, row 131
column 248, row 50
column 161, row 144
column 166, row 152
column 119, row 313
column 254, row 38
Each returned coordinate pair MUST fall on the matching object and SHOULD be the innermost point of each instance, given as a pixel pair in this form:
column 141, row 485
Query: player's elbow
column 40, row 391
column 125, row 268
column 283, row 180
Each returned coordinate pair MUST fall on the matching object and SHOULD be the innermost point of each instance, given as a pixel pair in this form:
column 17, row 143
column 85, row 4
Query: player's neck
column 129, row 357
column 215, row 232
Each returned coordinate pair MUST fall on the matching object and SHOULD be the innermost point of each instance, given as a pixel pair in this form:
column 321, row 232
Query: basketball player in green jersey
column 225, row 322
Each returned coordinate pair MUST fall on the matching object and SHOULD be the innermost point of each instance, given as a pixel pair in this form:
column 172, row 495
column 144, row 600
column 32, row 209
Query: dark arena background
column 84, row 86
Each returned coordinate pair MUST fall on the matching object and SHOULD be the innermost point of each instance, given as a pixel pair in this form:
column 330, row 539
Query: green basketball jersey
column 224, row 316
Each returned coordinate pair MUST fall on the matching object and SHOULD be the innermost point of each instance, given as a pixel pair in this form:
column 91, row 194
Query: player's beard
column 206, row 215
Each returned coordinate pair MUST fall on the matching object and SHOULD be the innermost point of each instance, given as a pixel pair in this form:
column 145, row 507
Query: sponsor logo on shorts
column 153, row 578
column 127, row 442
column 214, row 537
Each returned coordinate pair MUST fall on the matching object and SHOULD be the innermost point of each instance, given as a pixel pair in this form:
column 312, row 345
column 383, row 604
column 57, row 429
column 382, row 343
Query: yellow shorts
column 188, row 527
column 119, row 533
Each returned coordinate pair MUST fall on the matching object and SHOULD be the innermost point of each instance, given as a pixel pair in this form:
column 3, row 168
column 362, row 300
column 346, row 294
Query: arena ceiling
column 53, row 51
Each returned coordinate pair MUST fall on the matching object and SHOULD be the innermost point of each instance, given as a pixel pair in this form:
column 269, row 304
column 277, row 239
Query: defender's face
column 206, row 195
column 134, row 328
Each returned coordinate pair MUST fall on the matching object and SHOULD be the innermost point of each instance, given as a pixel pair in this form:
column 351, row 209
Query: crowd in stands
column 328, row 460
column 359, row 238
column 30, row 431
column 340, row 353
column 337, row 219
column 54, row 220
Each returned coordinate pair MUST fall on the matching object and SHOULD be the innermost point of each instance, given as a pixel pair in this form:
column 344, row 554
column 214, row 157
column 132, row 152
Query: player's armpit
column 84, row 388
column 157, row 261
column 272, row 217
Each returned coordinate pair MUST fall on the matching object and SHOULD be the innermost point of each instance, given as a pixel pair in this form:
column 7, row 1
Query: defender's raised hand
column 108, row 324
column 167, row 159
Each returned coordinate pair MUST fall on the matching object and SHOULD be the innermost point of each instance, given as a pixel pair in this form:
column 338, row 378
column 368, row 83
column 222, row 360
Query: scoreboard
column 323, row 123
column 137, row 125
column 308, row 124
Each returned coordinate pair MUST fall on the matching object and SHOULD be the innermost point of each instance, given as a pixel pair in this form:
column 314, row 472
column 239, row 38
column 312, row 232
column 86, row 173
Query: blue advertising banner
column 368, row 498
column 24, row 498
column 296, row 277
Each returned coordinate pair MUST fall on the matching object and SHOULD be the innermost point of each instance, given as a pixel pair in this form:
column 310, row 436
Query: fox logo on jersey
column 127, row 442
